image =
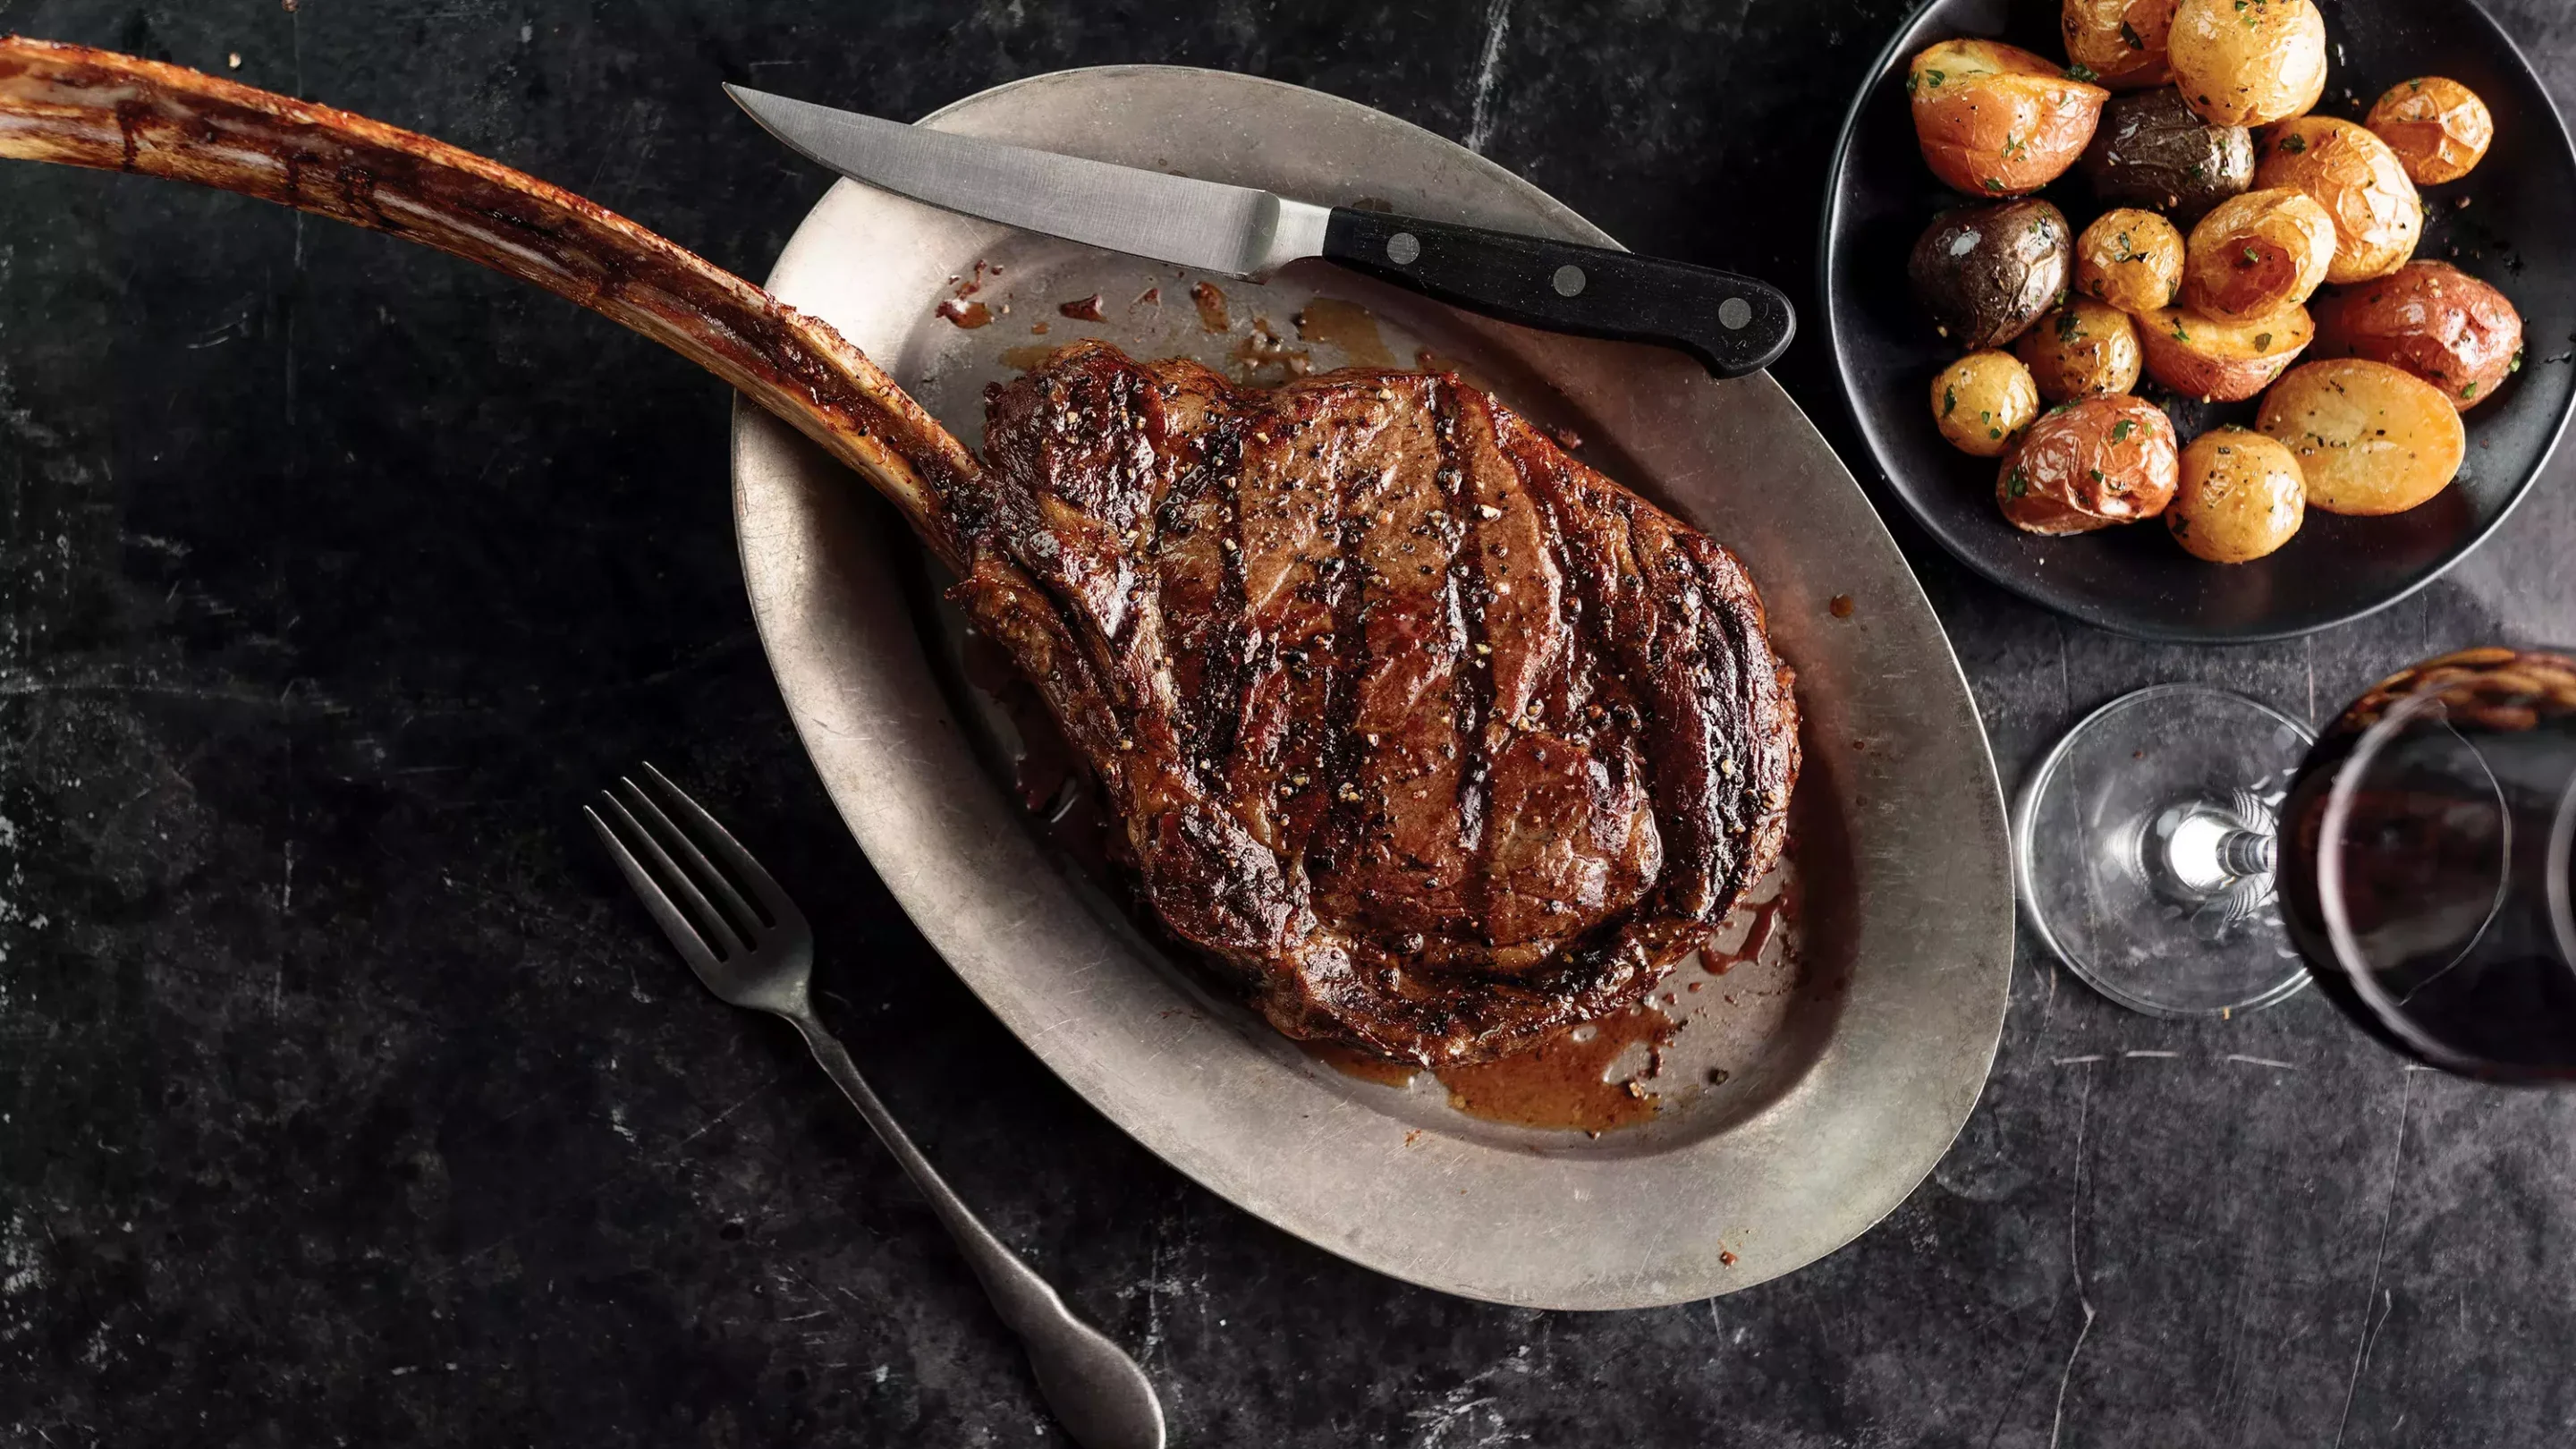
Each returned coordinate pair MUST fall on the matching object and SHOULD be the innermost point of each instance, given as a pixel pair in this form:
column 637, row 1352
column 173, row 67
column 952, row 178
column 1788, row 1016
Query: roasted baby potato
column 2370, row 438
column 2360, row 183
column 2238, row 496
column 2221, row 359
column 1983, row 401
column 2437, row 126
column 2433, row 320
column 1986, row 272
column 2122, row 42
column 2248, row 62
column 2257, row 254
column 2083, row 349
column 2089, row 465
column 2151, row 150
column 1996, row 120
column 2130, row 259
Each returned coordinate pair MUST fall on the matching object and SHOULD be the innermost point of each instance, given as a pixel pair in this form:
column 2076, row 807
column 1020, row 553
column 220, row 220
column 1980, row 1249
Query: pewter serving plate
column 1810, row 1088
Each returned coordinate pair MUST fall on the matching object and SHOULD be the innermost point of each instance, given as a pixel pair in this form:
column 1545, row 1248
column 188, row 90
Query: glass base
column 2143, row 847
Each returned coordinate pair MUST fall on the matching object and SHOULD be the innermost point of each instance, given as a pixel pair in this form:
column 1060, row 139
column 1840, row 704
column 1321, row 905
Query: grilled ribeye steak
column 1431, row 737
column 1434, row 737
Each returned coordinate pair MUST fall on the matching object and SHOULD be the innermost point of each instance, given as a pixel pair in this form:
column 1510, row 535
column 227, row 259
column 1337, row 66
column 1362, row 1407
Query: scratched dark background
column 344, row 1098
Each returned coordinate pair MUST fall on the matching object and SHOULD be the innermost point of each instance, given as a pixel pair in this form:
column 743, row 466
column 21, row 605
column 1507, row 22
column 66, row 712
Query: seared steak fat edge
column 1429, row 737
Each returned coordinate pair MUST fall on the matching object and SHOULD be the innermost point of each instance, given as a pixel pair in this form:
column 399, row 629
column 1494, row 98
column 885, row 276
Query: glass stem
column 2197, row 849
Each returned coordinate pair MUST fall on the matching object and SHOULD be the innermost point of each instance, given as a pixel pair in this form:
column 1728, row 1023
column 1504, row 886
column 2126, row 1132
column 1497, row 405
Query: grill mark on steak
column 1471, row 687
column 1592, row 792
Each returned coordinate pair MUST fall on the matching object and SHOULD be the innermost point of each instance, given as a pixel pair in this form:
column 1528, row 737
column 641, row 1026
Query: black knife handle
column 1734, row 325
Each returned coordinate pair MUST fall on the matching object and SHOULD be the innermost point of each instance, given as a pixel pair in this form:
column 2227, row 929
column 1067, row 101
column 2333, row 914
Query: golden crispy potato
column 2370, row 438
column 2130, row 259
column 2258, row 254
column 2358, row 180
column 2122, row 42
column 1983, row 401
column 2238, row 496
column 2437, row 126
column 1996, row 120
column 2248, row 62
column 2433, row 320
column 2219, row 359
column 2083, row 349
column 2089, row 465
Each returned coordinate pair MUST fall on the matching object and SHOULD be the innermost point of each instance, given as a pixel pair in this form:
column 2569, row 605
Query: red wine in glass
column 2189, row 851
column 2424, row 857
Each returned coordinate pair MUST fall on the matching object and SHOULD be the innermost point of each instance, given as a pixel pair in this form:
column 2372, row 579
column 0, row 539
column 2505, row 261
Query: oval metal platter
column 1830, row 1073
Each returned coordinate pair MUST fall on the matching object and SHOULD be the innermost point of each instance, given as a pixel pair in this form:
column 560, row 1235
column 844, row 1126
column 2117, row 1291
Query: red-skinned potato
column 2218, row 359
column 2430, row 319
column 2437, row 126
column 2089, row 465
column 2352, row 174
column 2122, row 42
column 2370, row 439
column 1997, row 120
column 2248, row 62
column 2257, row 254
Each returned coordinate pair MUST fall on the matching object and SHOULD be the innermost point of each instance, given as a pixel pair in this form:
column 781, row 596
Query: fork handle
column 1097, row 1389
column 1025, row 1301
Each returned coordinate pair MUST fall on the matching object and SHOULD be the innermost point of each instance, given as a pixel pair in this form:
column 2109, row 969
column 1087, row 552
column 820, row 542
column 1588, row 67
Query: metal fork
column 752, row 947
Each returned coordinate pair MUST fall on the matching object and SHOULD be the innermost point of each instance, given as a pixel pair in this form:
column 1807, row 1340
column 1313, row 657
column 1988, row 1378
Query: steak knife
column 1732, row 324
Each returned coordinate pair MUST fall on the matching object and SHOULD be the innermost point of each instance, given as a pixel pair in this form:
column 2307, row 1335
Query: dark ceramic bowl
column 2518, row 233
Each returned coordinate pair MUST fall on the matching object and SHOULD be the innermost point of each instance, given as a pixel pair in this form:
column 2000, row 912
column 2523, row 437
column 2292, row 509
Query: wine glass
column 2188, row 851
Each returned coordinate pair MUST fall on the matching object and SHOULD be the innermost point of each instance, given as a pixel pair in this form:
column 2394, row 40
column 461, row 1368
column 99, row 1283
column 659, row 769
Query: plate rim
column 2145, row 629
column 1985, row 956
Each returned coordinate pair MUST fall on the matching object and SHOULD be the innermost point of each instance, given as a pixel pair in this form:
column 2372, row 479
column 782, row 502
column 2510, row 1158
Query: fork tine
column 684, row 936
column 746, row 922
column 721, row 936
column 781, row 910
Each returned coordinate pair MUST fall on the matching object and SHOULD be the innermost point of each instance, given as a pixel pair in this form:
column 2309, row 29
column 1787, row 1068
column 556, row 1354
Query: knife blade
column 1732, row 324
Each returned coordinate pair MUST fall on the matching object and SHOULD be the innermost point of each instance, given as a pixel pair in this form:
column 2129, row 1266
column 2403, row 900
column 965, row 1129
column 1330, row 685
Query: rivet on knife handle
column 1732, row 324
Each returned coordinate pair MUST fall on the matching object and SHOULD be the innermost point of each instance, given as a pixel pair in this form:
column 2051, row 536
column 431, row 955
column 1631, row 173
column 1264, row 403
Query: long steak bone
column 1430, row 736
column 95, row 108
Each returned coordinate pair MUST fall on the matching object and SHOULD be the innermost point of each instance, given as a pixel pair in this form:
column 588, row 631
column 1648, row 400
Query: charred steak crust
column 1430, row 737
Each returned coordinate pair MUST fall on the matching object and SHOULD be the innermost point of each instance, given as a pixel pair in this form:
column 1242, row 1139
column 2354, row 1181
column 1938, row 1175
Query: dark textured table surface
column 345, row 1097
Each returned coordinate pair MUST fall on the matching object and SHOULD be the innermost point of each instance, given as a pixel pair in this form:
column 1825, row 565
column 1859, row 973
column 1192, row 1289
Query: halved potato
column 2258, row 253
column 2370, row 438
column 1982, row 402
column 1997, row 120
column 2352, row 174
column 2238, row 496
column 2130, row 259
column 2437, row 126
column 2248, row 62
column 2219, row 359
column 2122, row 42
column 2089, row 465
column 2083, row 349
column 2433, row 320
